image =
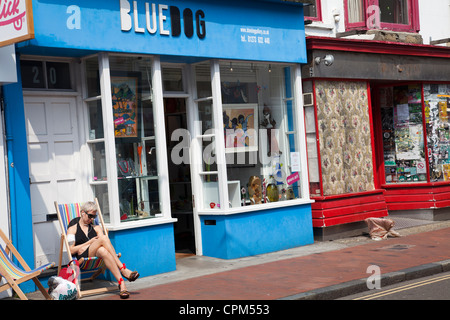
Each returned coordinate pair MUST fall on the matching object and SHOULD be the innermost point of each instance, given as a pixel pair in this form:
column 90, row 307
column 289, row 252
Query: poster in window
column 124, row 90
column 240, row 125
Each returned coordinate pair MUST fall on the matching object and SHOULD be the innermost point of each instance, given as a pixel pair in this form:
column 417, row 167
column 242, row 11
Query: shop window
column 313, row 11
column 92, row 77
column 403, row 135
column 133, row 136
column 397, row 15
column 260, row 134
column 344, row 135
column 437, row 101
column 172, row 79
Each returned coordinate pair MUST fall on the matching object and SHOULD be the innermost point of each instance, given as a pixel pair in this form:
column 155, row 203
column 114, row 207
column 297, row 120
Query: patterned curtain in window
column 345, row 137
column 355, row 10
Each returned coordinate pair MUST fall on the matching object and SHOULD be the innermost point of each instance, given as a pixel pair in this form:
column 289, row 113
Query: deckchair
column 15, row 275
column 66, row 212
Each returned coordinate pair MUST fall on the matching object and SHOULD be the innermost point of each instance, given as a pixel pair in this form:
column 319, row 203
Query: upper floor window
column 396, row 15
column 313, row 12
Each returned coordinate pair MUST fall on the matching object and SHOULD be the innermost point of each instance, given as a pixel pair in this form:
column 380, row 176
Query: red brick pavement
column 283, row 278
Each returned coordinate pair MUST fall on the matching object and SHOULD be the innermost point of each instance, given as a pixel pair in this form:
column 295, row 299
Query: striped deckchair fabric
column 16, row 272
column 14, row 275
column 66, row 212
column 92, row 263
column 69, row 211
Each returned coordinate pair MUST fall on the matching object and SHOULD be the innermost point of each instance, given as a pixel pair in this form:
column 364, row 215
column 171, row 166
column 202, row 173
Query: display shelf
column 211, row 194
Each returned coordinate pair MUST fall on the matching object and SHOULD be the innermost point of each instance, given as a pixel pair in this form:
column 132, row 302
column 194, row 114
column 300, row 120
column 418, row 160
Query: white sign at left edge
column 8, row 71
column 16, row 21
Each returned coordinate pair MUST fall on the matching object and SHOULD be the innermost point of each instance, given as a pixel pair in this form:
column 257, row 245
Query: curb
column 360, row 285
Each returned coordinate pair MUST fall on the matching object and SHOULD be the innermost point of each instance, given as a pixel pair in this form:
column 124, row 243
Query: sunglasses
column 91, row 216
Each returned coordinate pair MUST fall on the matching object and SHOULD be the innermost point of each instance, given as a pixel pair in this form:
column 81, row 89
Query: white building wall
column 332, row 20
column 434, row 19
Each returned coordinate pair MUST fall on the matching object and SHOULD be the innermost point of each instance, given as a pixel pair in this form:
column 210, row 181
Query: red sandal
column 133, row 276
column 123, row 294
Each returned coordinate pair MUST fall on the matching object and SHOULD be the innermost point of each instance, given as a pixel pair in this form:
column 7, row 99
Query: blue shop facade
column 183, row 118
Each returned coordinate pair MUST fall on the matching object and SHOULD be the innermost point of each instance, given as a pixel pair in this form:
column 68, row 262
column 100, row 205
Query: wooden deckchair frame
column 65, row 243
column 13, row 283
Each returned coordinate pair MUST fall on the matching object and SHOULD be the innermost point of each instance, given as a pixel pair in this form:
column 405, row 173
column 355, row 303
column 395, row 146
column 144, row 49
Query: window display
column 436, row 101
column 259, row 126
column 403, row 136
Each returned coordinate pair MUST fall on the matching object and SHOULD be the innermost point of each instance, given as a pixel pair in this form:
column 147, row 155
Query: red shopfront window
column 313, row 12
column 396, row 15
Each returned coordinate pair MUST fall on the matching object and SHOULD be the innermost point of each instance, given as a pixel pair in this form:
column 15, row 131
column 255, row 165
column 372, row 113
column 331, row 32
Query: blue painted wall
column 149, row 250
column 19, row 177
column 246, row 234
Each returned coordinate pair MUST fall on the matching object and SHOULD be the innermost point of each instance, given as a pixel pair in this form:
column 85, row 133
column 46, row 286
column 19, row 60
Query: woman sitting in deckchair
column 88, row 240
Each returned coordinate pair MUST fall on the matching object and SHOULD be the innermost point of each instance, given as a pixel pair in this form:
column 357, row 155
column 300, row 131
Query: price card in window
column 295, row 161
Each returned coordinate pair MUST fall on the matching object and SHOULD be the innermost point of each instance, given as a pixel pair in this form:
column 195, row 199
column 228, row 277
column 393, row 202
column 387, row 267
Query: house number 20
column 51, row 75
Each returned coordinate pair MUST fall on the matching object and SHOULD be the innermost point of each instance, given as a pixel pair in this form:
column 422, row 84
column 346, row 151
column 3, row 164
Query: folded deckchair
column 15, row 275
column 66, row 212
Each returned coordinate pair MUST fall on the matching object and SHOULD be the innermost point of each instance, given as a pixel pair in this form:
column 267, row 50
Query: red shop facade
column 378, row 132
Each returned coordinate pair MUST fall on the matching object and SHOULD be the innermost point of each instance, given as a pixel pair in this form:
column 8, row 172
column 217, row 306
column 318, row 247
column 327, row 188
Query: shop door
column 54, row 165
column 179, row 175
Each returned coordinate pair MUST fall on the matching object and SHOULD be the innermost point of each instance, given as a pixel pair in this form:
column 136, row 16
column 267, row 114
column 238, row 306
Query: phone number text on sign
column 255, row 35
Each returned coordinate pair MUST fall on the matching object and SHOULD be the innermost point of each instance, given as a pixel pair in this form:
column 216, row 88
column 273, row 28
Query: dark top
column 80, row 236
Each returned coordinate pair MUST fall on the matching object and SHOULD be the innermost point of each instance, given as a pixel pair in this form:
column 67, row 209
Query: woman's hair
column 89, row 206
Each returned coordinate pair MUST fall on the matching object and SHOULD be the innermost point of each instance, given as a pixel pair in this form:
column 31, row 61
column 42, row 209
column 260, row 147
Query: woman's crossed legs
column 102, row 248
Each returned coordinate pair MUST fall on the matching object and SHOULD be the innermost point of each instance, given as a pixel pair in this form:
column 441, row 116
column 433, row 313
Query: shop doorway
column 175, row 117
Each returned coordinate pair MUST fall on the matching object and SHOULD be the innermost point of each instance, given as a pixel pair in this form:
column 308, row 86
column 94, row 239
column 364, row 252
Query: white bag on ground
column 61, row 289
